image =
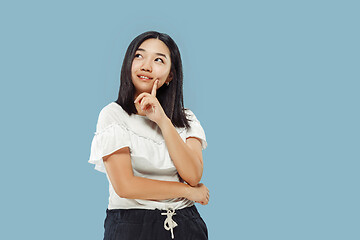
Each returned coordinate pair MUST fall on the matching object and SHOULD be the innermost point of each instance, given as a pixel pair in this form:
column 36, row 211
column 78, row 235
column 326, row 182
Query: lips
column 144, row 77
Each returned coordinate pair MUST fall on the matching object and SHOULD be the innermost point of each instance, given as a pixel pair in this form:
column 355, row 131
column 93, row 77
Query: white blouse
column 150, row 158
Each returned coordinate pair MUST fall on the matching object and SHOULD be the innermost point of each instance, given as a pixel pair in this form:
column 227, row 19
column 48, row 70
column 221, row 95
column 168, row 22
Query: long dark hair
column 170, row 97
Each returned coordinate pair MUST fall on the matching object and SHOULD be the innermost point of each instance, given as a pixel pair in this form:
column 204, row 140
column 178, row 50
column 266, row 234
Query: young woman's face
column 151, row 62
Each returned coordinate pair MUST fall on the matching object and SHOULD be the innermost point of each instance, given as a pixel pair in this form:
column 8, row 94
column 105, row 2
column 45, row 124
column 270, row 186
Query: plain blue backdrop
column 275, row 85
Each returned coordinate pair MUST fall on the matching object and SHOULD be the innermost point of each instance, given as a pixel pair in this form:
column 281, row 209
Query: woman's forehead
column 154, row 46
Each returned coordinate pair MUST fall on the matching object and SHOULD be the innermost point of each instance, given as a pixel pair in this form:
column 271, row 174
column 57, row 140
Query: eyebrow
column 160, row 54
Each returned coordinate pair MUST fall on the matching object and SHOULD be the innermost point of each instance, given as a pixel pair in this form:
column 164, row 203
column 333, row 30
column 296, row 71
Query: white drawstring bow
column 169, row 223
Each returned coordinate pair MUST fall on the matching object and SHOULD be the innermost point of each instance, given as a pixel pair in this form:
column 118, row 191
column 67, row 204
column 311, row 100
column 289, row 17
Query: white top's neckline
column 133, row 114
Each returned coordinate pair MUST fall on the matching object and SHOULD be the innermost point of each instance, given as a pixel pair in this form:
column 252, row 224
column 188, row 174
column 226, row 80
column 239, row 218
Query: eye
column 159, row 59
column 137, row 55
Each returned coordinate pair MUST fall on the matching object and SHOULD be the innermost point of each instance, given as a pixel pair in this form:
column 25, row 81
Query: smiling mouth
column 144, row 78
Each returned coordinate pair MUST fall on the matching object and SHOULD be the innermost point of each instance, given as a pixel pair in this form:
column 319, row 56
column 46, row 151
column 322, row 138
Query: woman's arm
column 126, row 185
column 187, row 157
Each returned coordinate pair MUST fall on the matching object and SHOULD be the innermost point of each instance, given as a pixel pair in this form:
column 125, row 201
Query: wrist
column 187, row 191
column 164, row 122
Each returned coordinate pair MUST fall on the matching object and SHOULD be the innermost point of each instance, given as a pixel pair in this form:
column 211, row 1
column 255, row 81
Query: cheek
column 164, row 73
column 133, row 67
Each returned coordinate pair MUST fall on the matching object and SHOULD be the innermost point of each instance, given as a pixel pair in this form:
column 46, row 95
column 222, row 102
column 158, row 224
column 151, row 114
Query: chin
column 141, row 90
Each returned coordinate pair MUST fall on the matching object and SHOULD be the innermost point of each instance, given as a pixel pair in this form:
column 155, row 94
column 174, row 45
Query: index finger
column 153, row 91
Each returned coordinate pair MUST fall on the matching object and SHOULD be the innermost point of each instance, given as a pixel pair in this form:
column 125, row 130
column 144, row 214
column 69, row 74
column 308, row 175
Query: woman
column 150, row 148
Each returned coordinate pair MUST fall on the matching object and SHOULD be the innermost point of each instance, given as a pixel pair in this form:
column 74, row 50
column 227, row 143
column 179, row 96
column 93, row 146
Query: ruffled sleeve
column 195, row 129
column 110, row 136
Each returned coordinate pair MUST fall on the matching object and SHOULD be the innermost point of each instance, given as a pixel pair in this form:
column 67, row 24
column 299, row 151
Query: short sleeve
column 110, row 136
column 195, row 129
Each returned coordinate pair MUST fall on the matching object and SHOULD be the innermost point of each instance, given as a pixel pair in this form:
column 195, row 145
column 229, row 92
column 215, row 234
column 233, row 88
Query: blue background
column 275, row 85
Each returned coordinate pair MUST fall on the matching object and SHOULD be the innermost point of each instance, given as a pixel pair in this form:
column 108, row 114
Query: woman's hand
column 151, row 105
column 199, row 194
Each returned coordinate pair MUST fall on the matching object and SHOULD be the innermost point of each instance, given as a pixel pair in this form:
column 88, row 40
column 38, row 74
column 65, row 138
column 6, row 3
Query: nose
column 146, row 66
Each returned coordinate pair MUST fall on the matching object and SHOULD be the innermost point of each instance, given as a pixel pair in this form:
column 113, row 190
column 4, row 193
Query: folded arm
column 119, row 169
column 187, row 157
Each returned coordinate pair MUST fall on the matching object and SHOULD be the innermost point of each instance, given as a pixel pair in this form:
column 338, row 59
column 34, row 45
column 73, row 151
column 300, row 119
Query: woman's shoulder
column 114, row 109
column 190, row 115
column 196, row 129
column 112, row 113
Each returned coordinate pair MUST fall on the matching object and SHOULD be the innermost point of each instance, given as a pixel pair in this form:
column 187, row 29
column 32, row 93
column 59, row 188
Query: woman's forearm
column 150, row 189
column 120, row 172
column 188, row 165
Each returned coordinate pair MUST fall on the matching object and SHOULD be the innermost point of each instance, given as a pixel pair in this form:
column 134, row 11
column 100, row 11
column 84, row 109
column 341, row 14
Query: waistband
column 136, row 215
column 147, row 215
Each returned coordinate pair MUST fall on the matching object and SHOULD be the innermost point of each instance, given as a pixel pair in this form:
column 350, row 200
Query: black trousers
column 145, row 224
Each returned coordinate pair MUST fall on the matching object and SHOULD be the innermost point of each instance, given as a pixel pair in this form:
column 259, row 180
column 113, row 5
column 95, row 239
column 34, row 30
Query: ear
column 170, row 77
